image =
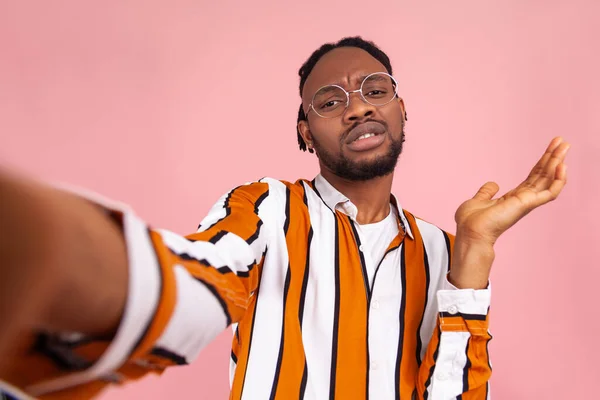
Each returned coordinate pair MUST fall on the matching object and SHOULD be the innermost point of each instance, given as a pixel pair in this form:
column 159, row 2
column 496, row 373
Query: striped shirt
column 283, row 264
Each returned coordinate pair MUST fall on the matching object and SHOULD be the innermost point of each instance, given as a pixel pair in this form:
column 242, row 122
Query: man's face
column 355, row 160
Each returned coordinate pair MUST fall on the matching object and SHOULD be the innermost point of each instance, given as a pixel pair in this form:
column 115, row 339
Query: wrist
column 471, row 263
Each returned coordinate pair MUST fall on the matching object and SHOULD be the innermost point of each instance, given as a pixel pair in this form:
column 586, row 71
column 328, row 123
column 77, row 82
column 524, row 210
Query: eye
column 329, row 104
column 376, row 93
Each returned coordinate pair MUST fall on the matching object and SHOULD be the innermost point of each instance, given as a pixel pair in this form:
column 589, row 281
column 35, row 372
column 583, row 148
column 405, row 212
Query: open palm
column 486, row 218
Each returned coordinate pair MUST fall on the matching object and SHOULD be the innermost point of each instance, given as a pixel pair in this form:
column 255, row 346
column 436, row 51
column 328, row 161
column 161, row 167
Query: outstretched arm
column 96, row 296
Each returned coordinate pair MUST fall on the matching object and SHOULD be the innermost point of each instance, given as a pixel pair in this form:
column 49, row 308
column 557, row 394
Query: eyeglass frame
column 348, row 93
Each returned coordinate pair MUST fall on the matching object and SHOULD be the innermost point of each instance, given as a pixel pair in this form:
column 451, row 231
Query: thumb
column 487, row 191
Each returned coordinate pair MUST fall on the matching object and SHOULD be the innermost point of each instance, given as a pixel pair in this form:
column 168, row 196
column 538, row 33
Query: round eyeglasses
column 377, row 89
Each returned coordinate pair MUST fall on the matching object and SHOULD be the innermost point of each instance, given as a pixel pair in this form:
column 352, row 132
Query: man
column 333, row 290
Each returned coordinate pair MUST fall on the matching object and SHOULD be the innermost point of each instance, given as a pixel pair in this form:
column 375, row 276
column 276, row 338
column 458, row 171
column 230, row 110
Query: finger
column 559, row 182
column 554, row 144
column 561, row 172
column 487, row 191
column 555, row 187
column 547, row 175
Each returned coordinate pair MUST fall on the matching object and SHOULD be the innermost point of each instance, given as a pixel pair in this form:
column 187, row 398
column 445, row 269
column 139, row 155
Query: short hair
column 309, row 65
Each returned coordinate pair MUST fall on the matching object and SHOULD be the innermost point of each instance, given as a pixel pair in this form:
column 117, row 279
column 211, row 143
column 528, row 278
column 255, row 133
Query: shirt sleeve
column 457, row 363
column 183, row 291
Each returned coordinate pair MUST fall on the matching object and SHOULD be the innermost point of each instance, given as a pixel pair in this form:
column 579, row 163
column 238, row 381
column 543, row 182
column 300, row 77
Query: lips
column 366, row 128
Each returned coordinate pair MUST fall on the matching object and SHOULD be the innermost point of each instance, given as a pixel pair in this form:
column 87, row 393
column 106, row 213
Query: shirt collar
column 336, row 200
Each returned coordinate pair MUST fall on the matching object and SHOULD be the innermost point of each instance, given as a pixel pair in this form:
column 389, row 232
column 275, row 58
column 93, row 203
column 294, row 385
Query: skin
column 346, row 66
column 63, row 261
column 480, row 220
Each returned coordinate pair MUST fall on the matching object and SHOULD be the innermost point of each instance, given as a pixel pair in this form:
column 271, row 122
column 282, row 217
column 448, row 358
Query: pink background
column 168, row 104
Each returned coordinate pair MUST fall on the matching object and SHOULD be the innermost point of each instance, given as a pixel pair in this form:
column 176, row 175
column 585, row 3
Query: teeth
column 366, row 135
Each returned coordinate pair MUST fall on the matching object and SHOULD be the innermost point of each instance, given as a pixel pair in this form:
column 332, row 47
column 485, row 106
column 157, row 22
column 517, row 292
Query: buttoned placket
column 379, row 311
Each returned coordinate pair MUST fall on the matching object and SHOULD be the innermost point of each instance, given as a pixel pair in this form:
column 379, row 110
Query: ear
column 402, row 107
column 304, row 130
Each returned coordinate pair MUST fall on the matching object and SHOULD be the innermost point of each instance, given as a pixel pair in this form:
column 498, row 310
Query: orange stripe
column 459, row 324
column 351, row 368
column 426, row 370
column 416, row 293
column 292, row 365
column 243, row 349
column 479, row 372
column 242, row 219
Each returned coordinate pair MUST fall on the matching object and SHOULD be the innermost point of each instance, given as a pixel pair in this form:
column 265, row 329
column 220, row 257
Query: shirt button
column 361, row 248
column 452, row 309
column 374, row 365
column 375, row 304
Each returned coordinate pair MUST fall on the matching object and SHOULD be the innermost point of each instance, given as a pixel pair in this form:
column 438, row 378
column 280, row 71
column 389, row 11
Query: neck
column 371, row 198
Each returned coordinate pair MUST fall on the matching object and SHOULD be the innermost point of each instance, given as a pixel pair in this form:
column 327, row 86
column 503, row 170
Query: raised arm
column 96, row 296
column 457, row 361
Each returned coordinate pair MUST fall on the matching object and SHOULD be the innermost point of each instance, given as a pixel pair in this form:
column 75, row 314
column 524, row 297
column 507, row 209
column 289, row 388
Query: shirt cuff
column 455, row 301
column 144, row 290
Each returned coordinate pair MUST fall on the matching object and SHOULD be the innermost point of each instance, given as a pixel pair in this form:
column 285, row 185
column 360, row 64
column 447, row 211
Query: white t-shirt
column 375, row 239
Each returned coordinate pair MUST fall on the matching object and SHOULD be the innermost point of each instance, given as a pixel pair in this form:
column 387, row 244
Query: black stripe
column 305, row 278
column 466, row 369
column 60, row 354
column 336, row 316
column 427, row 283
column 218, row 236
column 185, row 256
column 215, row 293
column 368, row 317
column 169, row 355
column 288, row 276
column 286, row 224
column 245, row 274
column 435, row 356
column 448, row 249
column 225, row 206
column 368, row 293
column 254, row 236
column 303, row 292
column 223, row 270
column 401, row 320
column 160, row 290
column 256, row 293
column 260, row 200
column 303, row 383
column 237, row 333
column 304, row 196
column 314, row 186
column 468, row 317
column 487, row 350
column 233, row 357
column 363, row 264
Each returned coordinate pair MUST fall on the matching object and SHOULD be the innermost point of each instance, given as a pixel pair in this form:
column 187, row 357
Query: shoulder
column 285, row 190
column 272, row 193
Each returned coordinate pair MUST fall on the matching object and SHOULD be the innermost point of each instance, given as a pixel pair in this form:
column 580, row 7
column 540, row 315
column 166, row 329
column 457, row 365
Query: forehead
column 343, row 66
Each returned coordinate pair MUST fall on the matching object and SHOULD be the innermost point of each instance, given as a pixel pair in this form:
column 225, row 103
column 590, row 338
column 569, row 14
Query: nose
column 358, row 108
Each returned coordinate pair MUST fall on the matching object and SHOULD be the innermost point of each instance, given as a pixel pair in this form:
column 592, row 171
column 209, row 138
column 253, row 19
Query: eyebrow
column 357, row 79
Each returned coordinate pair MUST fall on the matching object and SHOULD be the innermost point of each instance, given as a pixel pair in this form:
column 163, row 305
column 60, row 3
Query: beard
column 350, row 170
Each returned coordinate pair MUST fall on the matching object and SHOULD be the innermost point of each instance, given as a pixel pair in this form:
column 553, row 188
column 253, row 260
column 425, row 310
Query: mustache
column 354, row 125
